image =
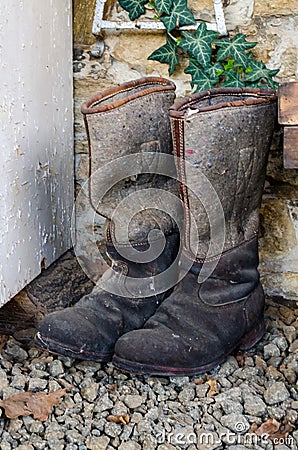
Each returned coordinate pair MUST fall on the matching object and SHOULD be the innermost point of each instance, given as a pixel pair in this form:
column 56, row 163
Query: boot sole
column 248, row 341
column 57, row 349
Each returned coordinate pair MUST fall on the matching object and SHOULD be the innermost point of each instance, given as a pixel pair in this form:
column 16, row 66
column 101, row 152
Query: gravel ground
column 251, row 401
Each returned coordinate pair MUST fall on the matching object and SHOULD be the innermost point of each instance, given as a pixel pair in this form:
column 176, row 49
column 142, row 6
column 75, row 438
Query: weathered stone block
column 134, row 48
column 277, row 232
column 273, row 7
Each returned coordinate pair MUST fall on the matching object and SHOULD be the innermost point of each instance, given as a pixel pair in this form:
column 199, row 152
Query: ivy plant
column 214, row 60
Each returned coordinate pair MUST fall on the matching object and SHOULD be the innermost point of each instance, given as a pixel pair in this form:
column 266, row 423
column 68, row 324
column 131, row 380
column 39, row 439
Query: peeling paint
column 36, row 139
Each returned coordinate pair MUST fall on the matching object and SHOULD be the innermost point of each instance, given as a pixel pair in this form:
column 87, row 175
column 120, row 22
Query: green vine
column 214, row 60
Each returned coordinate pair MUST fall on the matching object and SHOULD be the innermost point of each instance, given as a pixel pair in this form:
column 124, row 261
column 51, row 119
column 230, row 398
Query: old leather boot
column 220, row 136
column 128, row 130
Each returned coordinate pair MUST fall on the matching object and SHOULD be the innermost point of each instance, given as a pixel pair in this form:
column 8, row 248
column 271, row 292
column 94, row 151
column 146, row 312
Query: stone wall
column 274, row 24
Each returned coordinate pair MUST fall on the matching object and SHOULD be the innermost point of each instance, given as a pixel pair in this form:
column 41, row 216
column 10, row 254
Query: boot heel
column 253, row 336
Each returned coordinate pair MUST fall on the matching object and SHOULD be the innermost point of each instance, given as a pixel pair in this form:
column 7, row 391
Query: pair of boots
column 183, row 290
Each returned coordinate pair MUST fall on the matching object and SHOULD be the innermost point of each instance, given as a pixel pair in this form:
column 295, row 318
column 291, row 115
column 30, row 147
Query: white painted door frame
column 36, row 138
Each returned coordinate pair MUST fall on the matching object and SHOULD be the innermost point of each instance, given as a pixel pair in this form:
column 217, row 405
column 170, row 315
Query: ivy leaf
column 264, row 84
column 204, row 81
column 198, row 74
column 230, row 64
column 135, row 8
column 179, row 15
column 235, row 48
column 233, row 79
column 193, row 70
column 215, row 70
column 163, row 6
column 199, row 44
column 167, row 54
column 272, row 84
column 259, row 71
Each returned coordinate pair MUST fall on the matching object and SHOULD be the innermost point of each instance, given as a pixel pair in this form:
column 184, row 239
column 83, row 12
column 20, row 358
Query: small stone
column 133, row 401
column 179, row 381
column 152, row 414
column 53, row 386
column 291, row 416
column 149, row 443
column 271, row 350
column 56, row 368
column 131, row 445
column 126, row 433
column 67, row 361
column 97, row 442
column 233, row 394
column 166, row 447
column 18, row 382
column 276, row 393
column 236, row 422
column 290, row 333
column 288, row 314
column 225, row 383
column 36, row 427
column 112, row 429
column 275, row 361
column 273, row 374
column 3, row 379
column 281, row 343
column 237, row 447
column 15, row 351
column 144, row 427
column 90, row 392
column 15, row 425
column 254, row 406
column 55, row 444
column 136, row 417
column 290, row 375
column 74, row 437
column 281, row 447
column 37, row 384
column 230, row 406
column 103, row 403
column 25, row 447
column 5, row 446
column 202, row 389
column 294, row 346
column 228, row 367
column 260, row 363
column 39, row 374
column 186, row 395
column 276, row 412
column 119, row 408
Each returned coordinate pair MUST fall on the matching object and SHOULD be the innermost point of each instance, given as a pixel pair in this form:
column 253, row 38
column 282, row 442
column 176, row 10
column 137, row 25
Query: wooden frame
column 288, row 116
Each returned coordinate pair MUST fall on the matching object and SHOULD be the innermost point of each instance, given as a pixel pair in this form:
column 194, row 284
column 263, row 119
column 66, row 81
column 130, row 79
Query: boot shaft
column 128, row 127
column 222, row 136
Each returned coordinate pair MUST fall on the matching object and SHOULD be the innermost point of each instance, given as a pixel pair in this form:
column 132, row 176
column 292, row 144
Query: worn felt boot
column 128, row 130
column 220, row 137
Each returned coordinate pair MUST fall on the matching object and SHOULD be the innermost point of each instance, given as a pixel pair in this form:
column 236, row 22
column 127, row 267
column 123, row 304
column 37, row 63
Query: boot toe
column 71, row 333
column 156, row 352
